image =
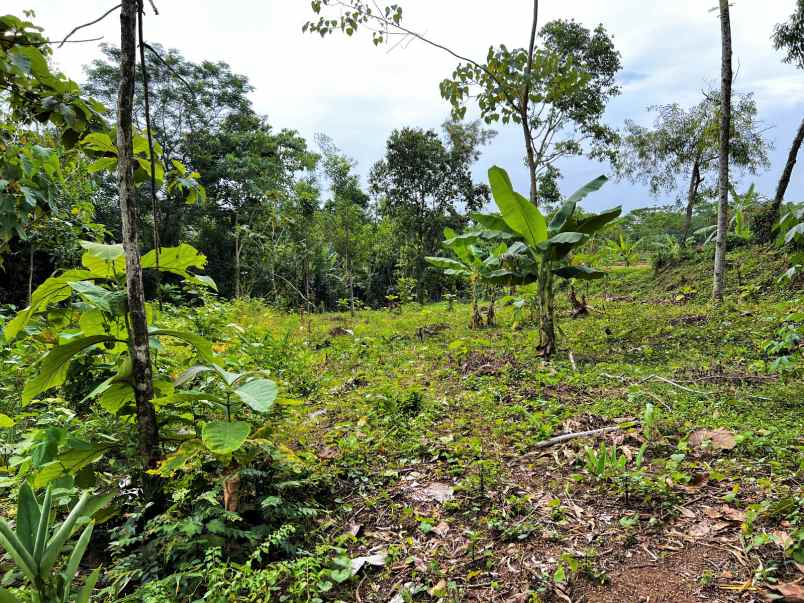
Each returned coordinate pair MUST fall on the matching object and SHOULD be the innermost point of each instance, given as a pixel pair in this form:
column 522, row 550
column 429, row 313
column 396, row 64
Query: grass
column 397, row 402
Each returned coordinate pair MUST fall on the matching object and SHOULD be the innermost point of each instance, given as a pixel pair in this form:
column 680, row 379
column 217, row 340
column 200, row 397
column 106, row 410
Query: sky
column 357, row 93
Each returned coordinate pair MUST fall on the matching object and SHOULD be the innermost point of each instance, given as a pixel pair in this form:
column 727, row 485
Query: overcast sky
column 357, row 93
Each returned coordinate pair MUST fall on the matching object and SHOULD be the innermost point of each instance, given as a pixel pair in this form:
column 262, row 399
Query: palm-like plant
column 738, row 223
column 540, row 250
column 35, row 546
column 623, row 249
column 474, row 264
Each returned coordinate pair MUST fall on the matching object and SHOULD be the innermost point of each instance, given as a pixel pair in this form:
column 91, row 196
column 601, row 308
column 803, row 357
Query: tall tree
column 148, row 430
column 345, row 212
column 719, row 276
column 788, row 37
column 425, row 184
column 557, row 102
column 245, row 167
column 188, row 100
column 680, row 151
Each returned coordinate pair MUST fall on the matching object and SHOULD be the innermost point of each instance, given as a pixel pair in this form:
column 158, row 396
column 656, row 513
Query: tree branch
column 98, row 20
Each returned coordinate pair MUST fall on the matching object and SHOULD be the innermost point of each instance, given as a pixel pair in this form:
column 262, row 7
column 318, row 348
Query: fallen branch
column 579, row 434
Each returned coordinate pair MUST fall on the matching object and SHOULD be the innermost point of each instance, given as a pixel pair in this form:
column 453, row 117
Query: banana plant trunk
column 546, row 310
column 490, row 314
column 477, row 319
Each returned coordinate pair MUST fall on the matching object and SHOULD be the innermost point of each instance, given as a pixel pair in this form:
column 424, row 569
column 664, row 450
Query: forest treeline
column 289, row 220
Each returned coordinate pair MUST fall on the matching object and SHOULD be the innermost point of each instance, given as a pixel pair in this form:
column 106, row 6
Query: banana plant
column 540, row 250
column 36, row 545
column 738, row 223
column 474, row 264
column 623, row 249
column 790, row 233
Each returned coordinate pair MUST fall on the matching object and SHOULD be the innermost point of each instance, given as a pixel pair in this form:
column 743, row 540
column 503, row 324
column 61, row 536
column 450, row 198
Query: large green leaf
column 521, row 215
column 102, row 251
column 224, row 437
column 27, row 516
column 560, row 245
column 584, row 273
column 7, row 597
column 53, row 290
column 175, row 259
column 492, row 222
column 98, row 297
column 53, row 367
column 444, row 263
column 259, row 394
column 593, row 223
column 203, row 346
column 587, row 188
column 561, row 217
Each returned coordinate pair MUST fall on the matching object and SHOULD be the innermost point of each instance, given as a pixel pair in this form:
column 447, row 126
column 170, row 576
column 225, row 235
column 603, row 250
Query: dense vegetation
column 231, row 372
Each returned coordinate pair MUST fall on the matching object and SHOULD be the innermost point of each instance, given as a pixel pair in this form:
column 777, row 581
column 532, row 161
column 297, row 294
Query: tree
column 245, row 166
column 567, row 83
column 538, row 89
column 425, row 184
column 187, row 100
column 723, row 164
column 345, row 212
column 32, row 94
column 788, row 37
column 680, row 151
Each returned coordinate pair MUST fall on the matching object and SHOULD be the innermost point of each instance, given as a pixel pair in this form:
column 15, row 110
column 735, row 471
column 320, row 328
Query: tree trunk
column 236, row 259
column 524, row 108
column 723, row 172
column 784, row 180
column 148, row 430
column 695, row 180
column 30, row 272
column 349, row 268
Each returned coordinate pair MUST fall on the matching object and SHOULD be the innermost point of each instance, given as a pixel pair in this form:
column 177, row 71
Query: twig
column 579, row 434
column 173, row 71
column 146, row 97
column 43, row 42
column 98, row 20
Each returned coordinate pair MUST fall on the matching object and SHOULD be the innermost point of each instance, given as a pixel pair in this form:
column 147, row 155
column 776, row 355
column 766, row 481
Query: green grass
column 392, row 395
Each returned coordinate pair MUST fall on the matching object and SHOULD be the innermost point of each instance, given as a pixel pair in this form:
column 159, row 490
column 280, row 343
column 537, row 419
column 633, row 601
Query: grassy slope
column 417, row 399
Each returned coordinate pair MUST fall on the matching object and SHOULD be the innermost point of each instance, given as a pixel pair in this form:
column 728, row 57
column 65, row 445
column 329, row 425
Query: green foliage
column 37, row 545
column 543, row 250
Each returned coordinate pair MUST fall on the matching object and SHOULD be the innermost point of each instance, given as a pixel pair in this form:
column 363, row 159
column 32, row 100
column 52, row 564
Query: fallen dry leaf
column 791, row 592
column 328, row 453
column 439, row 590
column 437, row 491
column 441, row 529
column 377, row 560
column 721, row 439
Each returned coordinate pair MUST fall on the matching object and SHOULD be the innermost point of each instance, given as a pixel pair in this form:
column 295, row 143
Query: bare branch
column 98, row 20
